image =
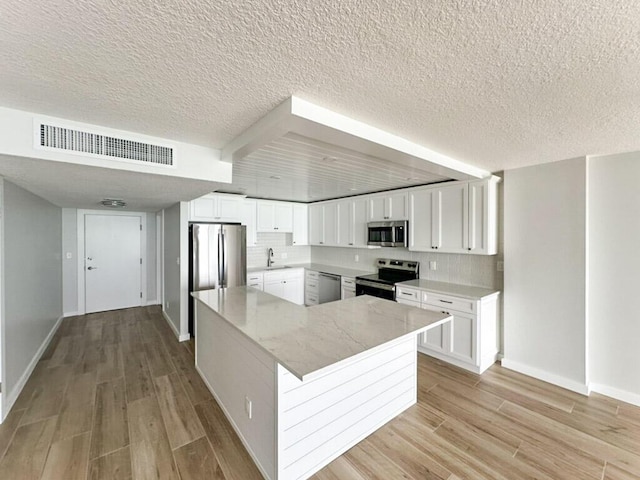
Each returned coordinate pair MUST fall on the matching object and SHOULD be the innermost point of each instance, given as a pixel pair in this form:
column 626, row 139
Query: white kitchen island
column 301, row 385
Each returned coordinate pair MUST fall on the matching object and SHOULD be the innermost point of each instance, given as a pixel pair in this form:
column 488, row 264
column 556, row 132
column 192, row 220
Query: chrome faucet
column 269, row 257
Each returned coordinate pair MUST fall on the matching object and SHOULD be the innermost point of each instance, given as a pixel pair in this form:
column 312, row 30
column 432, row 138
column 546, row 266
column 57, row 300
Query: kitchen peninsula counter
column 303, row 385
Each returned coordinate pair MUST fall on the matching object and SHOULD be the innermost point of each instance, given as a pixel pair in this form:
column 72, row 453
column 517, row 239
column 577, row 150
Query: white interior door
column 113, row 270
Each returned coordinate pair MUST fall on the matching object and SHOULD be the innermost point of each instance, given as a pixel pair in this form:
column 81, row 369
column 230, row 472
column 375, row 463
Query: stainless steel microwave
column 388, row 234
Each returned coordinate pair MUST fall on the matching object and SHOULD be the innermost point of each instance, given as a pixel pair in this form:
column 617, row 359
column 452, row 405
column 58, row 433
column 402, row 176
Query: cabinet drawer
column 348, row 282
column 311, row 274
column 407, row 294
column 445, row 302
column 254, row 277
column 311, row 285
column 411, row 303
column 255, row 285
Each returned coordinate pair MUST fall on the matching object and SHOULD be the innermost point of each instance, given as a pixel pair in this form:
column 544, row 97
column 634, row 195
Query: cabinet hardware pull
column 445, row 301
column 406, row 293
column 446, row 313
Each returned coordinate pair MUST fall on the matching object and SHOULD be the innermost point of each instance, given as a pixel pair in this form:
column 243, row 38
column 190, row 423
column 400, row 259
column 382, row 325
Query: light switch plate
column 432, row 265
column 248, row 407
column 356, row 258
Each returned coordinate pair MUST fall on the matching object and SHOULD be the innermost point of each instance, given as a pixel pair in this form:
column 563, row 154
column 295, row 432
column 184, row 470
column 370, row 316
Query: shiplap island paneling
column 303, row 385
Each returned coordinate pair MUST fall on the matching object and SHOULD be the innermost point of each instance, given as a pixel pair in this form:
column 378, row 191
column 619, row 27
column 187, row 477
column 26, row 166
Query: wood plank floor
column 115, row 396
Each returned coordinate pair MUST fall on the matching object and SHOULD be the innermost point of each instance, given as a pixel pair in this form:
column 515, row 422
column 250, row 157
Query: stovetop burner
column 390, row 272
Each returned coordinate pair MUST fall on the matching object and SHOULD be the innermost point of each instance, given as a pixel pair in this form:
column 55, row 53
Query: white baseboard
column 152, row 302
column 181, row 338
column 622, row 395
column 11, row 397
column 546, row 376
column 70, row 314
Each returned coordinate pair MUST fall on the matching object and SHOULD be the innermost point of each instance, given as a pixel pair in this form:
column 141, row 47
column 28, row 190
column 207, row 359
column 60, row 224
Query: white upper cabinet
column 248, row 219
column 274, row 216
column 422, row 210
column 352, row 223
column 452, row 218
column 323, row 224
column 300, row 224
column 483, row 222
column 216, row 208
column 456, row 218
column 388, row 206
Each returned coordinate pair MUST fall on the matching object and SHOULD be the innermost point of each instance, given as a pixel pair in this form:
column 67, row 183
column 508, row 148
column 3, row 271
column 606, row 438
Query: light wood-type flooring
column 116, row 396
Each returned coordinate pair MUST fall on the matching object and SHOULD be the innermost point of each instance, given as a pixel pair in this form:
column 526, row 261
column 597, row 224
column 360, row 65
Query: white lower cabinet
column 311, row 288
column 470, row 339
column 347, row 287
column 286, row 283
column 255, row 280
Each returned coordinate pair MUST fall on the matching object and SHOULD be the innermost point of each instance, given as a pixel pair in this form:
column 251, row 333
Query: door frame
column 81, row 252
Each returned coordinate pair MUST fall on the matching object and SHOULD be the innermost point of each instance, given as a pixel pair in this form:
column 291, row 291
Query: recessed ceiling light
column 329, row 159
column 275, row 177
column 353, row 189
column 113, row 203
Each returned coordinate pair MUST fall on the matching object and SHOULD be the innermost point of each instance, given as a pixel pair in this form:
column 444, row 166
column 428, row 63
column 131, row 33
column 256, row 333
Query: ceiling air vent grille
column 103, row 145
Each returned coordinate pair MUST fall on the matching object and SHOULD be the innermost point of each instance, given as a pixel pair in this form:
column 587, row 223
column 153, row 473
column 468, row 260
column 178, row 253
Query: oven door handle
column 380, row 286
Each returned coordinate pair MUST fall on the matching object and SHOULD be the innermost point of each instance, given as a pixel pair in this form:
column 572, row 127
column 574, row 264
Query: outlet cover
column 283, row 255
column 356, row 258
column 69, row 255
column 432, row 265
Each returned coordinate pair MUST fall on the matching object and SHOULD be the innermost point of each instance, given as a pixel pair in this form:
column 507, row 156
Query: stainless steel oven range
column 390, row 272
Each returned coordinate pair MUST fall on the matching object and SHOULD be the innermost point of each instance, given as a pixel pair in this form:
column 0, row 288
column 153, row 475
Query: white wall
column 545, row 223
column 614, row 275
column 70, row 265
column 172, row 278
column 32, row 284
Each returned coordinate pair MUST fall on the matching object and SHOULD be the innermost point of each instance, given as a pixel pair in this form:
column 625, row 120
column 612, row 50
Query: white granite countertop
column 306, row 340
column 318, row 267
column 452, row 289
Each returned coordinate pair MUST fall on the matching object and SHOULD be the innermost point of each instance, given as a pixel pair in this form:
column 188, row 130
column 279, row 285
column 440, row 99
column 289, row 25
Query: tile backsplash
column 281, row 244
column 476, row 270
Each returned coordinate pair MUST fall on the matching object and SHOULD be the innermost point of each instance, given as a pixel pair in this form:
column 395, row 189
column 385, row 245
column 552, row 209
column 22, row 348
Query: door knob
column 92, row 268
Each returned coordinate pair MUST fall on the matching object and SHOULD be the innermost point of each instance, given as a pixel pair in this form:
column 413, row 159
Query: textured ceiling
column 493, row 84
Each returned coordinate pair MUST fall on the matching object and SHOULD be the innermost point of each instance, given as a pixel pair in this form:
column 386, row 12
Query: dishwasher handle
column 328, row 276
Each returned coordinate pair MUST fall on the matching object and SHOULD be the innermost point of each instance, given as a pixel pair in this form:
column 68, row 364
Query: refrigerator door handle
column 220, row 260
column 225, row 267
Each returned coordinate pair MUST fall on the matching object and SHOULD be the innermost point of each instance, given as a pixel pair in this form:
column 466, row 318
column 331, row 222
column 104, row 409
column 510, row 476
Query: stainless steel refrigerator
column 218, row 259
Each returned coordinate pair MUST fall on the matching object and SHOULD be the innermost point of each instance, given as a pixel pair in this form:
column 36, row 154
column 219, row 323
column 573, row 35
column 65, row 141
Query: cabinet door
column 204, row 208
column 330, row 223
column 265, row 217
column 463, row 337
column 359, row 223
column 275, row 287
column 437, row 339
column 293, row 290
column 248, row 219
column 228, row 208
column 283, row 217
column 422, row 204
column 377, row 208
column 396, row 206
column 483, row 206
column 316, row 225
column 343, row 222
column 300, row 225
column 452, row 219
